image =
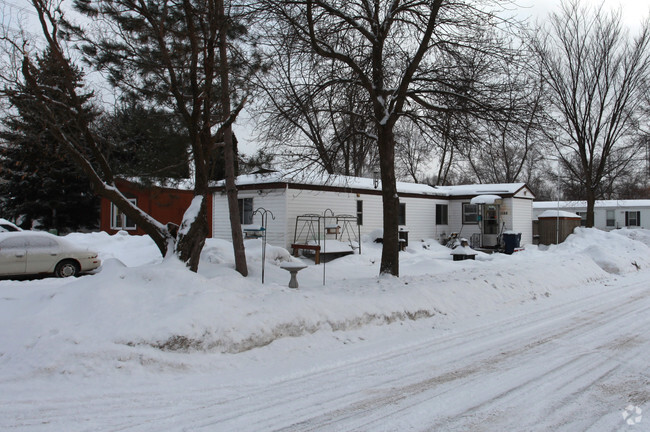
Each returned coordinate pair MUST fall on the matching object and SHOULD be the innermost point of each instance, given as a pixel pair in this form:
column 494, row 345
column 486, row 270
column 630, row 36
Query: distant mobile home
column 608, row 214
column 480, row 212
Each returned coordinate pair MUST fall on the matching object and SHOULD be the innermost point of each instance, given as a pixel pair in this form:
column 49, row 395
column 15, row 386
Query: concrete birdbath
column 293, row 268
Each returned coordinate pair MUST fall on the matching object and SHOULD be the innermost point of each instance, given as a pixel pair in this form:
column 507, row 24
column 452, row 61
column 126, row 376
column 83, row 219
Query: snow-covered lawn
column 552, row 339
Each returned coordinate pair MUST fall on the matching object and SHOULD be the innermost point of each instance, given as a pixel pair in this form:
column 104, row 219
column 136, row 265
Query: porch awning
column 485, row 199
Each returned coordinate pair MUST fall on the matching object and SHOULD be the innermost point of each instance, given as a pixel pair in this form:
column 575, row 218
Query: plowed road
column 562, row 364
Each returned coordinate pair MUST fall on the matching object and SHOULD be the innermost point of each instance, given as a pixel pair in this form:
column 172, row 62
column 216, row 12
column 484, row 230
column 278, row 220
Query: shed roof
column 558, row 214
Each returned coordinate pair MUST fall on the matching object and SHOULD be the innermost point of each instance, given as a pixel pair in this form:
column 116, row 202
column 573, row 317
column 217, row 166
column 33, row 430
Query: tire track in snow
column 270, row 399
column 398, row 393
column 381, row 390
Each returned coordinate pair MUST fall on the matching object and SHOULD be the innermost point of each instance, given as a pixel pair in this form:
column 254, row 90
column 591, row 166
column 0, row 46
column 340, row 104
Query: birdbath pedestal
column 293, row 268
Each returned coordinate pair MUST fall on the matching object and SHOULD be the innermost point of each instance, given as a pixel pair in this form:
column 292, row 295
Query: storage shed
column 556, row 225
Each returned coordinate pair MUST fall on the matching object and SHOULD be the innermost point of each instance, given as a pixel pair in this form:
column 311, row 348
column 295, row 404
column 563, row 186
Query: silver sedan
column 31, row 252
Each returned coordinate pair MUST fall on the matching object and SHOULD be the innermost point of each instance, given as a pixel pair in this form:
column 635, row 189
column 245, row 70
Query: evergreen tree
column 146, row 143
column 38, row 182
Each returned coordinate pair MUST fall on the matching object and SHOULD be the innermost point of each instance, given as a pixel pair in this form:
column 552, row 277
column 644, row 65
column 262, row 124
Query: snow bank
column 143, row 312
column 616, row 252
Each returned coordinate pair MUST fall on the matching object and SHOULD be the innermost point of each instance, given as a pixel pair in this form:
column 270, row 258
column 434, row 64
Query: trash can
column 511, row 241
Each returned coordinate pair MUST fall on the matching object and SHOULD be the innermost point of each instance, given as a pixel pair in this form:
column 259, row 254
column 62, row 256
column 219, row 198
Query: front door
column 490, row 225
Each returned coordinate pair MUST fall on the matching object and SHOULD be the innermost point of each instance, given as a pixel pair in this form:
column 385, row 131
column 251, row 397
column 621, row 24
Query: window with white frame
column 120, row 221
column 632, row 218
column 245, row 211
column 583, row 218
column 470, row 213
column 610, row 216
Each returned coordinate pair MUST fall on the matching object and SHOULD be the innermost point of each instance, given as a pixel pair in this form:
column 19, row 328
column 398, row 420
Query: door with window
column 490, row 222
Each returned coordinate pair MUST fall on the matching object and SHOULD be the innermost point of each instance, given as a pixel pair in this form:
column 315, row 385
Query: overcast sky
column 17, row 13
column 633, row 10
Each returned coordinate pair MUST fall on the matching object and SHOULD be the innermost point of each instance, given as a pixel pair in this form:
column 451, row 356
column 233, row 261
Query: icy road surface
column 574, row 362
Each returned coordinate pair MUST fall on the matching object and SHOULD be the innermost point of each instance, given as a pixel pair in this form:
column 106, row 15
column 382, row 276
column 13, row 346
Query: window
column 42, row 243
column 442, row 214
column 359, row 212
column 470, row 214
column 245, row 211
column 632, row 218
column 583, row 218
column 401, row 219
column 611, row 218
column 14, row 243
column 120, row 221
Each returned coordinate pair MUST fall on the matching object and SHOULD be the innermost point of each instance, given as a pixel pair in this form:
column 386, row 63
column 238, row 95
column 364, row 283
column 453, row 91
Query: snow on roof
column 558, row 214
column 540, row 205
column 169, row 183
column 328, row 180
column 368, row 184
column 485, row 199
column 482, row 189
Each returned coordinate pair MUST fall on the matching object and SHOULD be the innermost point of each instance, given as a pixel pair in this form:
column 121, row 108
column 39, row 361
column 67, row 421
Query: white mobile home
column 425, row 212
column 487, row 210
column 608, row 214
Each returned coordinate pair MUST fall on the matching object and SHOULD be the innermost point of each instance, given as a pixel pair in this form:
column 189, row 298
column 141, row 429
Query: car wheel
column 66, row 269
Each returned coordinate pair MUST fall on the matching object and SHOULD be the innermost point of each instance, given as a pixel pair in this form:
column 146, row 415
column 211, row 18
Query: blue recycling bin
column 511, row 241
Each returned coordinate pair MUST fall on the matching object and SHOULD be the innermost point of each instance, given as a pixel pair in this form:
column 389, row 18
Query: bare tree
column 403, row 54
column 174, row 53
column 509, row 147
column 171, row 52
column 594, row 74
column 311, row 118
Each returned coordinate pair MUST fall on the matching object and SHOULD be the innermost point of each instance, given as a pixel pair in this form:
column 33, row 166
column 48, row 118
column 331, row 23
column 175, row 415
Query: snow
column 276, row 177
column 558, row 214
column 332, row 246
column 463, row 250
column 481, row 189
column 598, row 204
column 550, row 338
column 485, row 199
column 191, row 214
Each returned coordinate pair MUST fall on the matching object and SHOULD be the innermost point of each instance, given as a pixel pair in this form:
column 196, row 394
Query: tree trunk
column 228, row 151
column 591, row 202
column 193, row 231
column 390, row 251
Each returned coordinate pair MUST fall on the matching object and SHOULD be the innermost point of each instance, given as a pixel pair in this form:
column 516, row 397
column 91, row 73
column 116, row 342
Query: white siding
column 441, row 232
column 420, row 219
column 515, row 214
column 273, row 200
column 301, row 202
column 287, row 204
column 456, row 220
column 600, row 214
column 521, row 219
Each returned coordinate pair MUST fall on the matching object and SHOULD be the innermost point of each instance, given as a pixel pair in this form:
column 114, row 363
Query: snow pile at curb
column 154, row 314
column 617, row 252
